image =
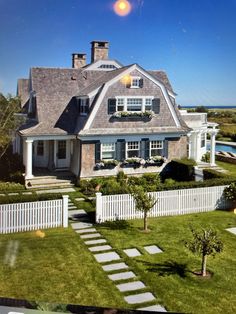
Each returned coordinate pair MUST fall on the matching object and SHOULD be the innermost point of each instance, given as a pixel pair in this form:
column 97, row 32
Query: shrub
column 121, row 177
column 86, row 187
column 180, row 170
column 11, row 167
column 21, row 198
column 206, row 157
column 230, row 192
column 11, row 186
column 211, row 174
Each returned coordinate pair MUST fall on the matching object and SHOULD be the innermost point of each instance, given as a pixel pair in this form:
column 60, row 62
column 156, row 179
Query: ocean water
column 212, row 107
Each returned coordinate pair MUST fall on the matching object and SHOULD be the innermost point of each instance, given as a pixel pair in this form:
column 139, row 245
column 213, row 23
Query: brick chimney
column 78, row 60
column 99, row 50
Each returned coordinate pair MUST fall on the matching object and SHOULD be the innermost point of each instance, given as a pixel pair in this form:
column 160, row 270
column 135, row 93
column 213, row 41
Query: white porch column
column 198, row 147
column 29, row 155
column 213, row 148
column 189, row 145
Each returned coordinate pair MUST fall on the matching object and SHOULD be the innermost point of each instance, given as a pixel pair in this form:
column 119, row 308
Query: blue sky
column 194, row 41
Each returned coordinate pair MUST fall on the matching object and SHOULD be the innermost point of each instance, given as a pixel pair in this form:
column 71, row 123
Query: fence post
column 65, row 210
column 98, row 207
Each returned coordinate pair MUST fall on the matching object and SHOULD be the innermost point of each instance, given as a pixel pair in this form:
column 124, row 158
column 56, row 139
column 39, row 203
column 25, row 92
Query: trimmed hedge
column 212, row 174
column 21, row 198
column 179, row 170
column 11, row 187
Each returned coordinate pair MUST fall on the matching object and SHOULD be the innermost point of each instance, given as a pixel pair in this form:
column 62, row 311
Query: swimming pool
column 224, row 148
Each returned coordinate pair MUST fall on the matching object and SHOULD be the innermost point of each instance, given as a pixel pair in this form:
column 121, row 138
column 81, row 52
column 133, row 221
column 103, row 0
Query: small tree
column 204, row 243
column 230, row 193
column 144, row 202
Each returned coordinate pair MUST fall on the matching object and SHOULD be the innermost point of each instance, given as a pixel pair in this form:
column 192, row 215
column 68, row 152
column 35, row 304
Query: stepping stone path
column 122, row 276
column 100, row 248
column 132, row 252
column 152, row 249
column 120, row 270
column 131, row 286
column 117, row 266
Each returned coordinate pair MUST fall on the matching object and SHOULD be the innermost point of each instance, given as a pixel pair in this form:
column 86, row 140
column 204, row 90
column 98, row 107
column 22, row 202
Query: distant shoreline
column 211, row 107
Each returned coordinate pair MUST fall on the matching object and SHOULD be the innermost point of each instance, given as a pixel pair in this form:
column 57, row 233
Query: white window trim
column 126, row 148
column 125, row 101
column 135, row 78
column 103, row 151
column 150, row 146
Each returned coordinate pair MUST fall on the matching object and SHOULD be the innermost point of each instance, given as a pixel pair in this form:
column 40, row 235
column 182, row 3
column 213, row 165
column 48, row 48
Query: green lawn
column 59, row 268
column 227, row 166
column 169, row 274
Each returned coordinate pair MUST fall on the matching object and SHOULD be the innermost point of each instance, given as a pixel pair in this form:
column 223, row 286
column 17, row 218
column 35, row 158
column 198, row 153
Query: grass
column 57, row 268
column 169, row 275
column 227, row 166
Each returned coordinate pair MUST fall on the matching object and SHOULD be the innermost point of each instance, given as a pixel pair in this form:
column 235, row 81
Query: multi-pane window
column 132, row 149
column 203, row 140
column 148, row 104
column 108, row 151
column 40, row 148
column 61, row 153
column 135, row 82
column 134, row 104
column 156, row 148
column 120, row 104
column 83, row 106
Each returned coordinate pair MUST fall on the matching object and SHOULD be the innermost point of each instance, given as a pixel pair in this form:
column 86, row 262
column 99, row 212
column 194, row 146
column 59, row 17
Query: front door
column 63, row 154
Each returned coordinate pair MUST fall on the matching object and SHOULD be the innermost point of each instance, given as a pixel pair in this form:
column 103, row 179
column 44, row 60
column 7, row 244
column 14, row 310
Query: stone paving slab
column 106, row 257
column 99, row 241
column 65, row 190
column 153, row 308
column 152, row 249
column 89, row 236
column 78, row 199
column 13, row 193
column 88, row 230
column 232, row 230
column 78, row 212
column 122, row 276
column 81, row 225
column 139, row 298
column 100, row 248
column 26, row 193
column 131, row 286
column 132, row 252
column 116, row 266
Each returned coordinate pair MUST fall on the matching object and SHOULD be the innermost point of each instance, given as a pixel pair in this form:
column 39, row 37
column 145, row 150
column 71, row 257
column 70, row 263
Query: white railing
column 34, row 215
column 174, row 202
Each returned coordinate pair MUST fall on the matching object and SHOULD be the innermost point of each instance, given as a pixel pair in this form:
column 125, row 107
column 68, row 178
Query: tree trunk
column 145, row 221
column 204, row 262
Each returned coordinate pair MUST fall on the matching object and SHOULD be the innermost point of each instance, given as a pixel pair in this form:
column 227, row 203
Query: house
column 124, row 116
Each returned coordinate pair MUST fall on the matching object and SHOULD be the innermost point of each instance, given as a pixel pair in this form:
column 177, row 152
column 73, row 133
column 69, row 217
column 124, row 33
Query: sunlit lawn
column 170, row 274
column 227, row 166
column 58, row 268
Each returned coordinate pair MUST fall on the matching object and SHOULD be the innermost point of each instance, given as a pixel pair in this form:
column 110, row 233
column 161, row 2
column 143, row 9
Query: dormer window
column 83, row 106
column 134, row 82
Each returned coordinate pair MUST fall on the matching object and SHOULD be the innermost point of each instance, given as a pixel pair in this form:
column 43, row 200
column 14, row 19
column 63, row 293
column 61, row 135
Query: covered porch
column 47, row 155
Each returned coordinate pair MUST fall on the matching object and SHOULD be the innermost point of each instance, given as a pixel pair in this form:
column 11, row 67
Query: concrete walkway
column 125, row 280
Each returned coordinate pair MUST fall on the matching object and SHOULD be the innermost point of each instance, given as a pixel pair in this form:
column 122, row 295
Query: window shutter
column 120, row 150
column 145, row 148
column 78, row 104
column 156, row 105
column 111, row 105
column 141, row 83
column 87, row 106
column 97, row 151
column 128, row 83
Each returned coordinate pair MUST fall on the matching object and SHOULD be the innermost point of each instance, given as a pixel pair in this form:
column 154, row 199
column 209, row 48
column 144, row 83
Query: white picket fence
column 174, row 202
column 34, row 215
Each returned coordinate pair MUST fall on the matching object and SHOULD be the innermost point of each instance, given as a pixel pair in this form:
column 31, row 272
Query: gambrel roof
column 56, row 90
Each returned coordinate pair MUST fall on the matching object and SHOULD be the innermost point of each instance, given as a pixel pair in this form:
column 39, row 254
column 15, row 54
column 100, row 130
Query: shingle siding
column 104, row 120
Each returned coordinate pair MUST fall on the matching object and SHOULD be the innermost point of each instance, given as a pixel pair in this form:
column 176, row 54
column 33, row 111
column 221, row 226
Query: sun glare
column 122, row 7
